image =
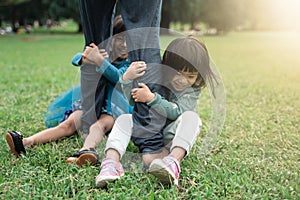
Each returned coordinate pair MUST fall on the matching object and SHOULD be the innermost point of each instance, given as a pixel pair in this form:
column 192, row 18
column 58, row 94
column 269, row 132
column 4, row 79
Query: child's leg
column 87, row 153
column 148, row 158
column 66, row 128
column 167, row 170
column 186, row 135
column 17, row 143
column 97, row 131
column 119, row 137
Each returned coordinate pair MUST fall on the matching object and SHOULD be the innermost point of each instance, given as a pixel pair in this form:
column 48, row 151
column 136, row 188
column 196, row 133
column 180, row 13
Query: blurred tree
column 258, row 14
column 67, row 9
column 222, row 15
column 219, row 14
column 12, row 2
column 191, row 14
column 26, row 11
column 22, row 12
column 166, row 16
column 181, row 12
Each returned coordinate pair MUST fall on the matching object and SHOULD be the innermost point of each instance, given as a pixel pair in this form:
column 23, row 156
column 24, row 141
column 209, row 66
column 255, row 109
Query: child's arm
column 77, row 59
column 93, row 56
column 187, row 101
column 135, row 70
column 111, row 72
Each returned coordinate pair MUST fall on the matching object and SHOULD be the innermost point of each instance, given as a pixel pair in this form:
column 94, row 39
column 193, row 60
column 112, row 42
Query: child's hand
column 104, row 53
column 91, row 55
column 135, row 70
column 142, row 94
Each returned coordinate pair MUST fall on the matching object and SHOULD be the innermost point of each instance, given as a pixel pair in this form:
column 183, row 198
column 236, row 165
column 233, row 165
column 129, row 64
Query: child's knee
column 68, row 126
column 99, row 127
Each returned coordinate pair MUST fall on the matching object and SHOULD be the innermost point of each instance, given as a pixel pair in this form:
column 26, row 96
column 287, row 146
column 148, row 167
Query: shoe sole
column 103, row 183
column 11, row 144
column 85, row 159
column 71, row 160
column 161, row 173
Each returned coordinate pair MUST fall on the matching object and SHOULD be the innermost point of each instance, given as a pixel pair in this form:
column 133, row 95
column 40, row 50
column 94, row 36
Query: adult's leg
column 142, row 19
column 64, row 129
column 96, row 17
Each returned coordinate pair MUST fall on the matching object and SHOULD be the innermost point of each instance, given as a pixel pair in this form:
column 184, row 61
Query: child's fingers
column 93, row 45
column 141, row 69
column 105, row 55
column 134, row 90
column 141, row 62
column 142, row 85
column 134, row 63
column 87, row 49
column 141, row 73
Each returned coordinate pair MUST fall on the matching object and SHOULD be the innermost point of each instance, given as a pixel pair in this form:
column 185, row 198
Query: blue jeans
column 143, row 45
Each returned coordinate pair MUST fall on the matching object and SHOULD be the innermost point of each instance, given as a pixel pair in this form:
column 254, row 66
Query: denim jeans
column 142, row 20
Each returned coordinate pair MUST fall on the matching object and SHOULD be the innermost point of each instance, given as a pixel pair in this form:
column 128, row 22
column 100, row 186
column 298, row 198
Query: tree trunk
column 165, row 19
column 79, row 27
column 14, row 20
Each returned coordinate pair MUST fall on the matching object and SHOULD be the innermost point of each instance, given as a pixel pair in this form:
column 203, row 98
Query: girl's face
column 183, row 79
column 119, row 48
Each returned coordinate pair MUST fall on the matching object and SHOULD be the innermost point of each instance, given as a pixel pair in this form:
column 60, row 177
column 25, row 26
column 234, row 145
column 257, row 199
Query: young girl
column 189, row 71
column 111, row 72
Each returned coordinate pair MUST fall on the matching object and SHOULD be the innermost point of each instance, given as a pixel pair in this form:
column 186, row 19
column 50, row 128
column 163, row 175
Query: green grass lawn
column 257, row 155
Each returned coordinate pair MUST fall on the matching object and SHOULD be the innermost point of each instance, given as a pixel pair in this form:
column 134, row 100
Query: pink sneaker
column 110, row 171
column 167, row 170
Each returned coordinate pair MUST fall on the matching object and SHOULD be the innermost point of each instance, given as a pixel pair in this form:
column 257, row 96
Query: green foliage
column 64, row 9
column 28, row 11
column 12, row 2
column 222, row 15
column 256, row 156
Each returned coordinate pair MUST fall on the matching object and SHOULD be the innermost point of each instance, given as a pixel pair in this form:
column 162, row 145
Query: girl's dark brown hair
column 119, row 25
column 191, row 54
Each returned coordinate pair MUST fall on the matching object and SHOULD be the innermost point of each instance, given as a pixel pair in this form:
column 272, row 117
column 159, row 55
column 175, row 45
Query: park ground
column 256, row 156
